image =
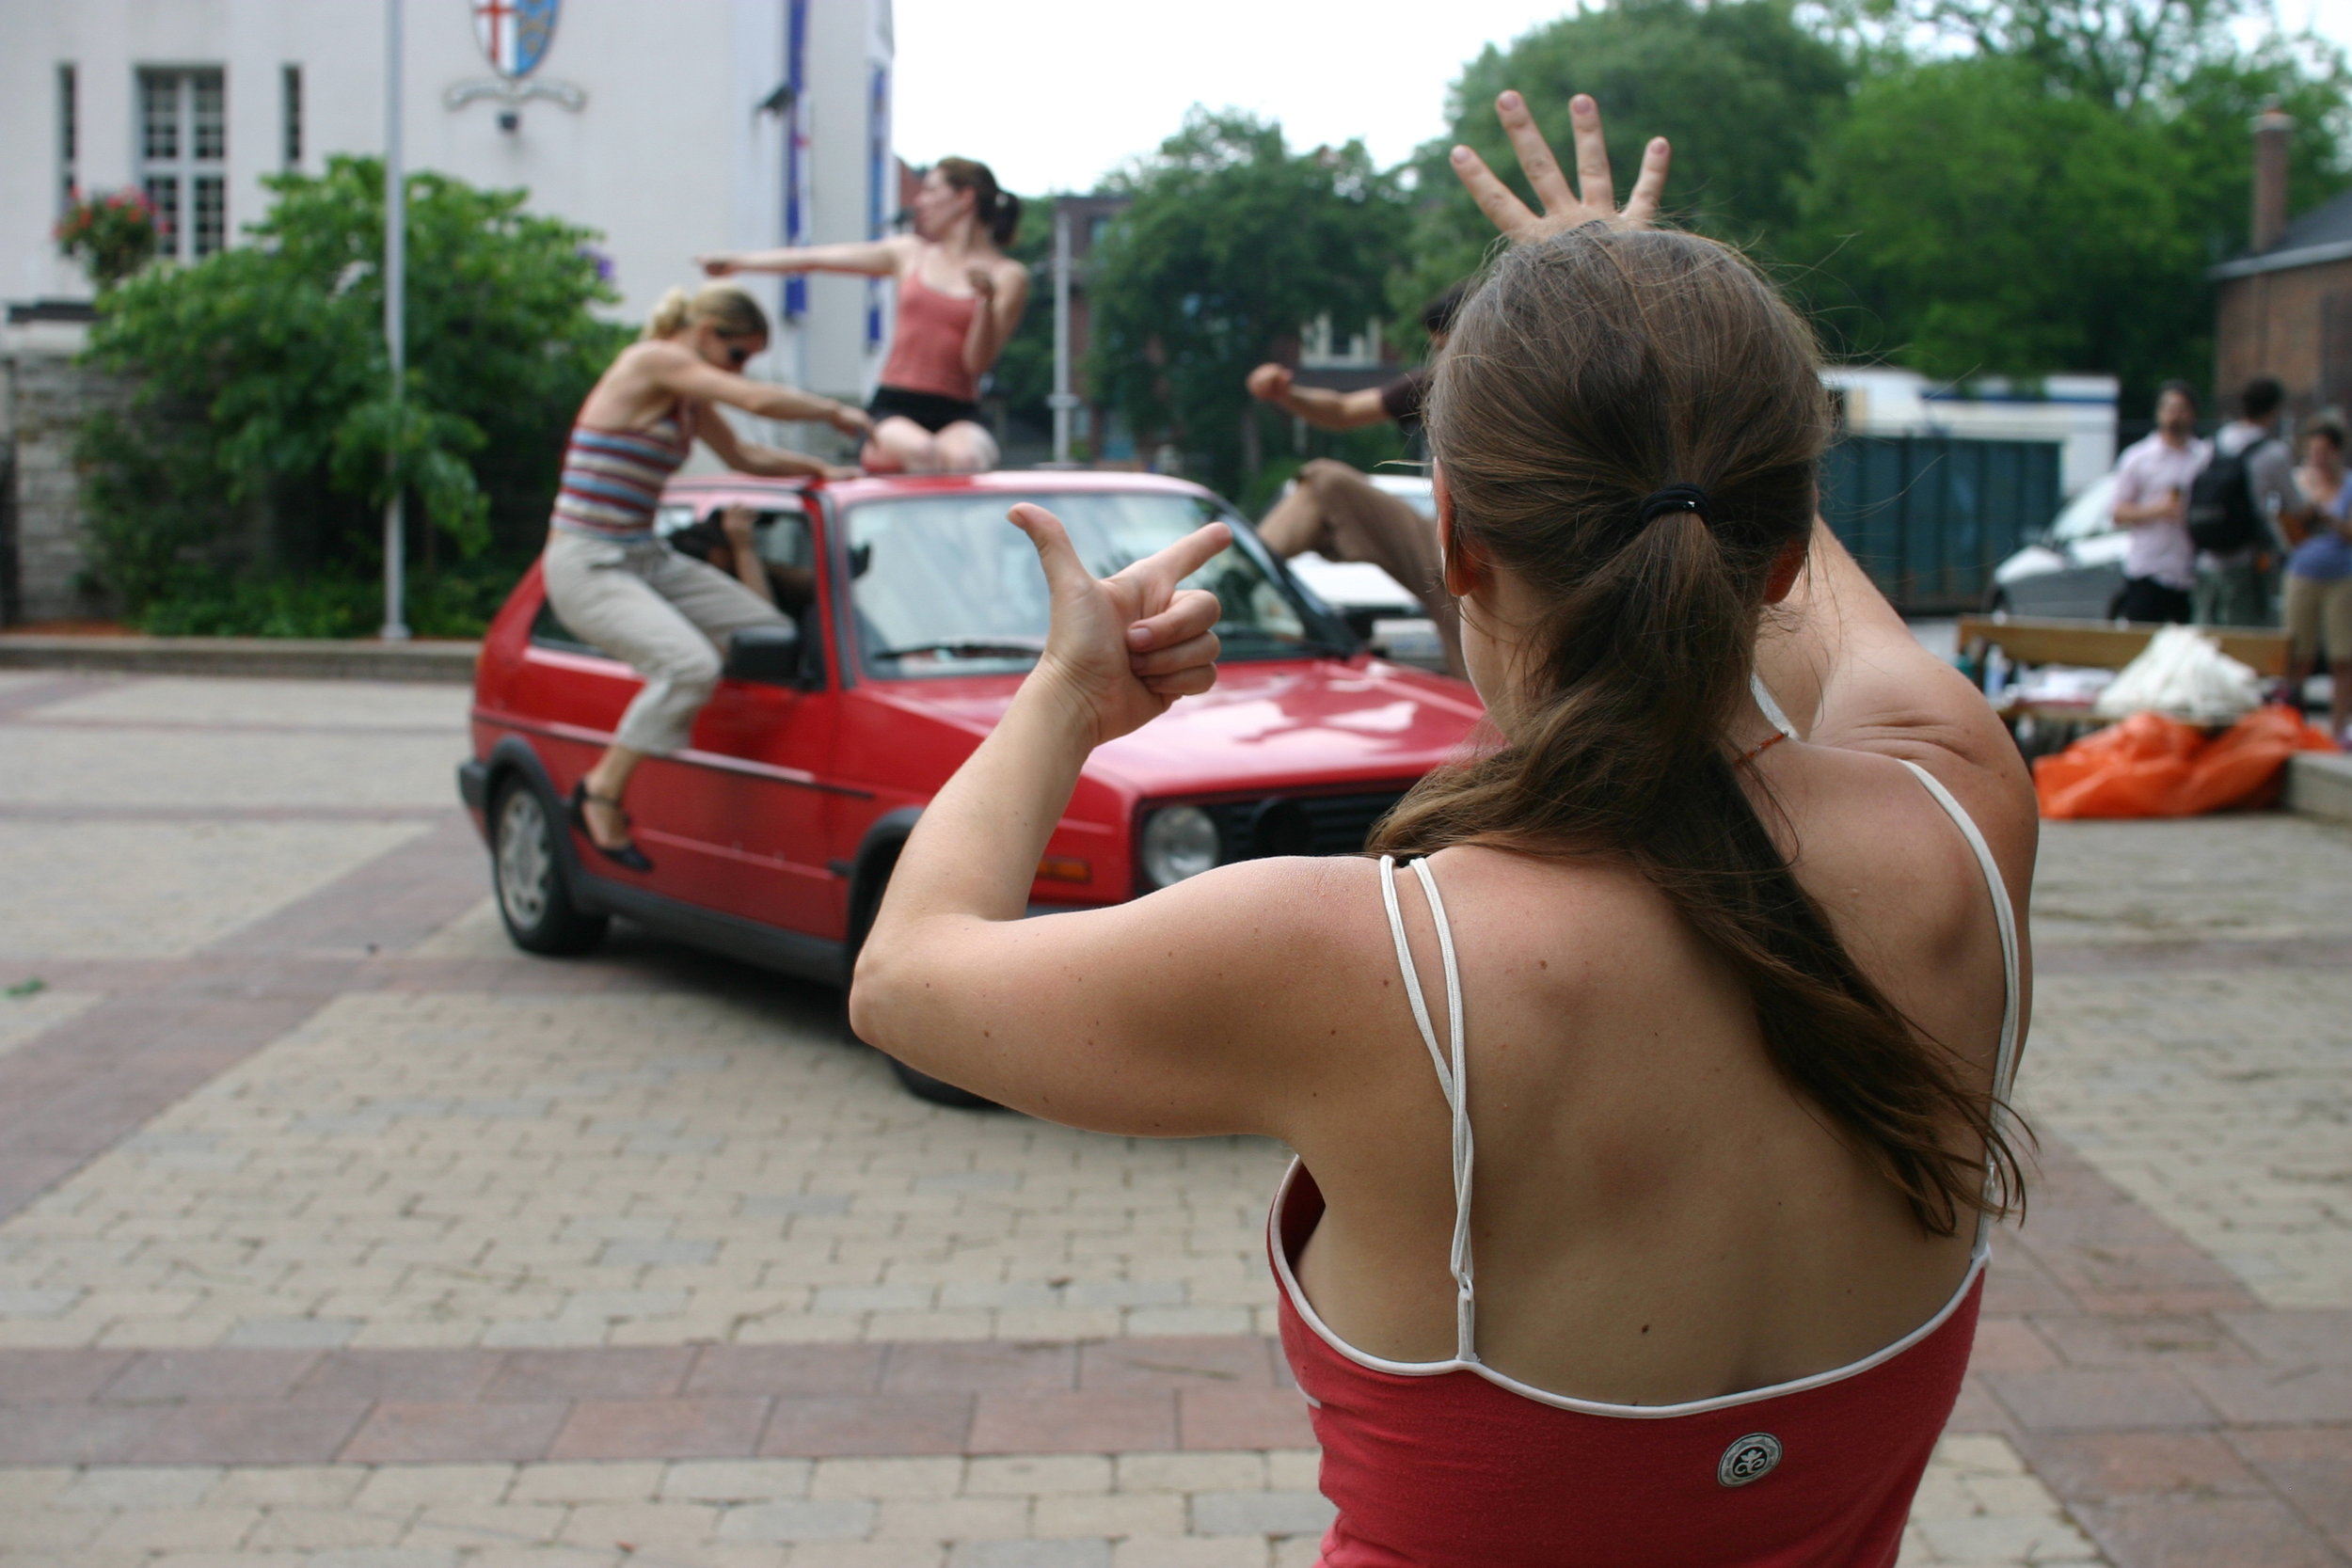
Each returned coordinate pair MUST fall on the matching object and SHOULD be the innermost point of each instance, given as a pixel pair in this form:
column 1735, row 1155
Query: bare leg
column 899, row 446
column 1340, row 512
column 1295, row 525
column 608, row 782
column 965, row 448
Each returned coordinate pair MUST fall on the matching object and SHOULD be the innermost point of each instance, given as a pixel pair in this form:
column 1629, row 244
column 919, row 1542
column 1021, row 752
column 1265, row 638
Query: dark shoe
column 628, row 854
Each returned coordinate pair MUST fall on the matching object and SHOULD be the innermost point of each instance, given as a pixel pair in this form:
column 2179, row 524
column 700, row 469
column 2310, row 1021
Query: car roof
column 878, row 486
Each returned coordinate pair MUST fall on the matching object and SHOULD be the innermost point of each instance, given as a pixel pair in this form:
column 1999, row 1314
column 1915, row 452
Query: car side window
column 784, row 540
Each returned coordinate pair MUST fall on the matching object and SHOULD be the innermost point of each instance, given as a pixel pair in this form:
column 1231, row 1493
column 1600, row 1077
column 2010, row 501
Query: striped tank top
column 613, row 478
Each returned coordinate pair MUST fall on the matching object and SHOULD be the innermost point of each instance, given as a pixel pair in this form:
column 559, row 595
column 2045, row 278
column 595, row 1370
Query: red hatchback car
column 917, row 609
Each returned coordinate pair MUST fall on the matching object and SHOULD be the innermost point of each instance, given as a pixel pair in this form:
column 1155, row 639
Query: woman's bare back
column 1658, row 1216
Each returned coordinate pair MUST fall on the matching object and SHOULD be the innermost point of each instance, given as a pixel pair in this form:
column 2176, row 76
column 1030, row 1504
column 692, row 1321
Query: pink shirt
column 2148, row 471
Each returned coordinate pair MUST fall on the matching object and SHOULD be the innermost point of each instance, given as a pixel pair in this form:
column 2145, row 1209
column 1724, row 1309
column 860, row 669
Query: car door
column 740, row 814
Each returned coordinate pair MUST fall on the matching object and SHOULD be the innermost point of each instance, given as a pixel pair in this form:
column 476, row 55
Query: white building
column 672, row 128
column 2075, row 410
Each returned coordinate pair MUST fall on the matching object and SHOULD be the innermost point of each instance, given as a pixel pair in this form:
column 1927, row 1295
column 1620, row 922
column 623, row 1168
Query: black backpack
column 2222, row 515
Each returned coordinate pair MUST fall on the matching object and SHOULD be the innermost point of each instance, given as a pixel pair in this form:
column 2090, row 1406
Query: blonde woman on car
column 617, row 586
column 960, row 298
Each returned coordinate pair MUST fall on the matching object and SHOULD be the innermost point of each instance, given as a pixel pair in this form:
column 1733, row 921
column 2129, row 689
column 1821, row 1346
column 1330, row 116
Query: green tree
column 262, row 384
column 1740, row 87
column 1234, row 243
column 2034, row 207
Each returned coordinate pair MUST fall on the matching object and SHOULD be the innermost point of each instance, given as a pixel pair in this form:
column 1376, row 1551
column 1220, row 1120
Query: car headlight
column 1178, row 842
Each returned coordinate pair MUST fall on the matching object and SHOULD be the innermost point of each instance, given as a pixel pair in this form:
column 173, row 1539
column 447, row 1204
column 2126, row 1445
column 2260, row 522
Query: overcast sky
column 1054, row 93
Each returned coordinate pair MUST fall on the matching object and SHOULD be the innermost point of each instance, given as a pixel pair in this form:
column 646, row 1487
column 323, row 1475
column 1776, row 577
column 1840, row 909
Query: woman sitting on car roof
column 610, row 582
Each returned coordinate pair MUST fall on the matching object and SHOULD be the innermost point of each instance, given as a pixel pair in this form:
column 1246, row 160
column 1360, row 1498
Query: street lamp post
column 395, row 332
column 1063, row 400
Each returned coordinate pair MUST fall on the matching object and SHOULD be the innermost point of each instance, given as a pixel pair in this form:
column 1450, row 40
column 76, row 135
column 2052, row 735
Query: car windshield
column 942, row 585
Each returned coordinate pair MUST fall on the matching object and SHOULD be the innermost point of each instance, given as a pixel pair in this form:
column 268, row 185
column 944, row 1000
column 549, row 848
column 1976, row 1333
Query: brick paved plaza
column 335, row 1234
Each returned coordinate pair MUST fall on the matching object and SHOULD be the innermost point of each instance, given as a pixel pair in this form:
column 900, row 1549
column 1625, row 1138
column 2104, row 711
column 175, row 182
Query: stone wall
column 44, row 558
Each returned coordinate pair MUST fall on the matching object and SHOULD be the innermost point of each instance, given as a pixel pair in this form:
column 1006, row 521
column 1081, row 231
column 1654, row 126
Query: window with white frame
column 183, row 152
column 68, row 137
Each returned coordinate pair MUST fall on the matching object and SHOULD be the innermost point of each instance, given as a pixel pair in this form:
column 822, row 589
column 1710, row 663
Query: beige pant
column 1341, row 516
column 663, row 613
column 2320, row 613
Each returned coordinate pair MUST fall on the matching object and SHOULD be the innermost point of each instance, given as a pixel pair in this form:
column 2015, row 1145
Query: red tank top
column 1453, row 1464
column 926, row 344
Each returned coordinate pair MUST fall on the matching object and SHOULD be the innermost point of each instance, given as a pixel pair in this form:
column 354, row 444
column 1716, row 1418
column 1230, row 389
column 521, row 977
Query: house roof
column 2322, row 235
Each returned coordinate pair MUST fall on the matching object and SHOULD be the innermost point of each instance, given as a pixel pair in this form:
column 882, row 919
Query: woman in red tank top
column 960, row 298
column 1652, row 1230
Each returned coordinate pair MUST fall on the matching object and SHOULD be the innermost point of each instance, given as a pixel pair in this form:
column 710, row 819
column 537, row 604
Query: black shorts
column 933, row 411
column 2146, row 599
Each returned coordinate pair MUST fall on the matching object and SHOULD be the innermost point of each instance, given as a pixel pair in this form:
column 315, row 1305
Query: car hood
column 1293, row 721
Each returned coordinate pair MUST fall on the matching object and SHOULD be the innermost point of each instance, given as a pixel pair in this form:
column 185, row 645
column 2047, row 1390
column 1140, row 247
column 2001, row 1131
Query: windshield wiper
column 966, row 650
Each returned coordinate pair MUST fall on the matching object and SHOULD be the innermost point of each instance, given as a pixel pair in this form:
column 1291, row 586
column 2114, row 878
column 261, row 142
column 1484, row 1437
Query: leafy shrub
column 264, row 440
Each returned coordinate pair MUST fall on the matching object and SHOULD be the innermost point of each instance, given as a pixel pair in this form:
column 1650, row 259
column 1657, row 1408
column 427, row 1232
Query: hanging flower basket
column 111, row 236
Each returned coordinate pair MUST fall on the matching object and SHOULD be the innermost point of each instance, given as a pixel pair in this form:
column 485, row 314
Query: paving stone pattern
column 335, row 1234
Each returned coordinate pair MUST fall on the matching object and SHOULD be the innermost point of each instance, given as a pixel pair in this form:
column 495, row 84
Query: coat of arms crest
column 514, row 34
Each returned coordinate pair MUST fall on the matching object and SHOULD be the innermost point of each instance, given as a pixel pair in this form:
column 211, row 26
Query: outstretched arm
column 1082, row 1017
column 750, row 457
column 1319, row 407
column 870, row 258
column 683, row 373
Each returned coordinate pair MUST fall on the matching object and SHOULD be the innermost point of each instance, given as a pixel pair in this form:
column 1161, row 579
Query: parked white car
column 2075, row 569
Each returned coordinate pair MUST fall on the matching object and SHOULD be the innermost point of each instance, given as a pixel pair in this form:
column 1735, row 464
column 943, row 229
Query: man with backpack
column 2151, row 485
column 2235, row 511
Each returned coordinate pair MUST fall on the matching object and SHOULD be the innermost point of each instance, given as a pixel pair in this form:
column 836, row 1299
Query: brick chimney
column 2271, row 129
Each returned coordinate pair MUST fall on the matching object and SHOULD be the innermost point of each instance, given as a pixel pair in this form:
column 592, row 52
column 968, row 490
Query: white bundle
column 2182, row 673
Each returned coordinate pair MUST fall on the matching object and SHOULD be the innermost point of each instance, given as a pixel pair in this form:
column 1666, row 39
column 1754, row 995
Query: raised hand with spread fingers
column 1593, row 199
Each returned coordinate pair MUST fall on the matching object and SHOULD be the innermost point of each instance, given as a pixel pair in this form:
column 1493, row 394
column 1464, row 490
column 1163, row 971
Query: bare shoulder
column 1886, row 861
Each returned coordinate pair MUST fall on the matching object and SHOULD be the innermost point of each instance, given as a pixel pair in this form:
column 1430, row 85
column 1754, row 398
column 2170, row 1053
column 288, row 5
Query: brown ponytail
column 1588, row 372
column 997, row 211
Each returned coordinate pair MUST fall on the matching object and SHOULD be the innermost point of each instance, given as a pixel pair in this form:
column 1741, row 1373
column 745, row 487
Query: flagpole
column 395, row 330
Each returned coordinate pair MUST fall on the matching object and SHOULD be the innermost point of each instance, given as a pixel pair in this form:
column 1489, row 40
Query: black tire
column 528, row 871
column 920, row 1085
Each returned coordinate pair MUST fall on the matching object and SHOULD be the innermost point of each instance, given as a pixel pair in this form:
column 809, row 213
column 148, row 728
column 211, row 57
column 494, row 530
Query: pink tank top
column 1453, row 1464
column 927, row 345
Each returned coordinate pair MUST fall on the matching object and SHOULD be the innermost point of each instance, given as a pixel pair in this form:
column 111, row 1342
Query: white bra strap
column 1458, row 1258
column 2005, row 917
column 1412, row 977
column 1763, row 696
column 1453, row 1081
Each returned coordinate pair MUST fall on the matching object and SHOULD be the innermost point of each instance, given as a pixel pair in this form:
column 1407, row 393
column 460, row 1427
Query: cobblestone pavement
column 336, row 1233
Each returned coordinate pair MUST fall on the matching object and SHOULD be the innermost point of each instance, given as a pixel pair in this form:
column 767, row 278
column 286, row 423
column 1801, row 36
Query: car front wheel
column 536, row 906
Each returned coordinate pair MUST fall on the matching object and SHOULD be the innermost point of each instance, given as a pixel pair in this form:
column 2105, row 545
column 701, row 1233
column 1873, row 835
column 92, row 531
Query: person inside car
column 1730, row 1004
column 727, row 541
column 616, row 585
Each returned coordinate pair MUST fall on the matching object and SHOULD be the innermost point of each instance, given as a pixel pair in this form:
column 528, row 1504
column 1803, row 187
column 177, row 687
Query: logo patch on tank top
column 1750, row 1458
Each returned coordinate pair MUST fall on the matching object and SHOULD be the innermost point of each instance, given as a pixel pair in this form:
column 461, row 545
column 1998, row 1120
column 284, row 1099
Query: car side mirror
column 770, row 654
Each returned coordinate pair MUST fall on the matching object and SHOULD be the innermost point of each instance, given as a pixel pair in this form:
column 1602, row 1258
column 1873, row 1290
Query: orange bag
column 2151, row 766
column 2248, row 766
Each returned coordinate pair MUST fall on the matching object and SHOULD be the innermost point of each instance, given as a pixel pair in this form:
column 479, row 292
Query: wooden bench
column 2093, row 645
column 2110, row 644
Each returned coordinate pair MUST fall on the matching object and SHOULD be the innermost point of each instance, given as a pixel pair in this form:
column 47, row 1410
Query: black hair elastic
column 1675, row 497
